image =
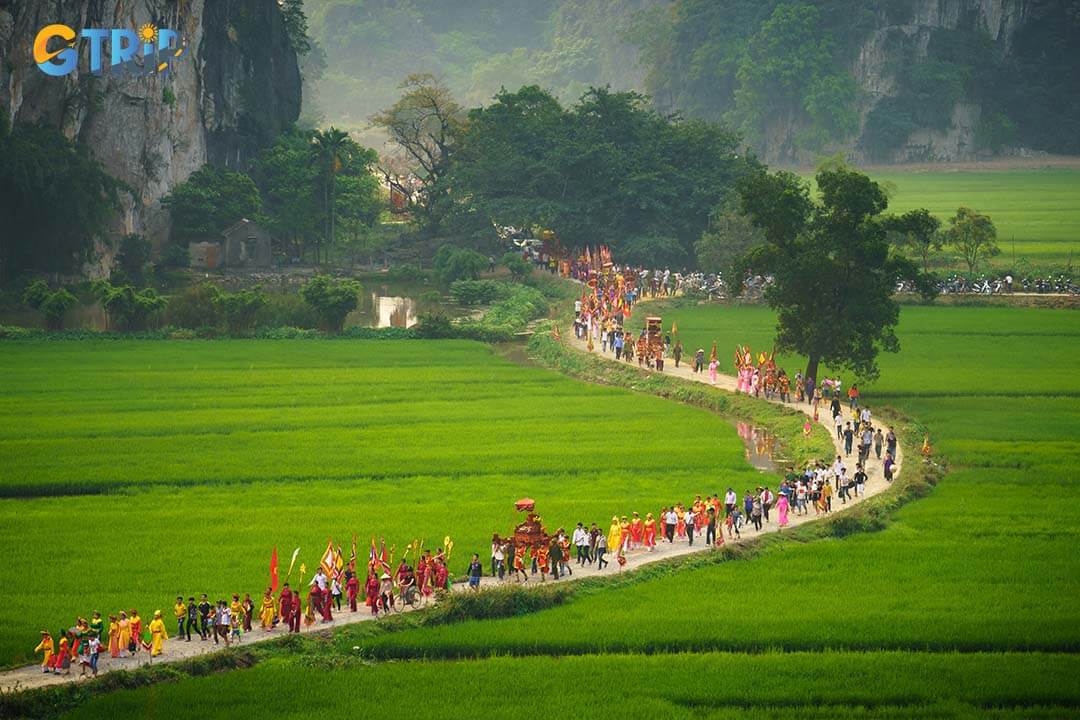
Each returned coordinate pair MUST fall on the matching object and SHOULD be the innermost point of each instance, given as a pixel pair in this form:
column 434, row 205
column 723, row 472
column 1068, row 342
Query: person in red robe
column 442, row 575
column 297, row 612
column 352, row 587
column 423, row 574
column 650, row 532
column 285, row 604
column 371, row 592
column 637, row 531
column 327, row 605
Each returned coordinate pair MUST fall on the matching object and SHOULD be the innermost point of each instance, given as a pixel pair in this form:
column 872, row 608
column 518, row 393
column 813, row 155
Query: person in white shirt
column 581, row 542
column 689, row 518
column 731, row 499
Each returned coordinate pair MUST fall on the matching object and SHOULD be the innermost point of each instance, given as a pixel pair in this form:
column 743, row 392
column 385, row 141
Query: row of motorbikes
column 988, row 285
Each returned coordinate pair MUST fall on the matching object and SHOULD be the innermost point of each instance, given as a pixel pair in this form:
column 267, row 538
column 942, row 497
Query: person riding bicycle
column 406, row 581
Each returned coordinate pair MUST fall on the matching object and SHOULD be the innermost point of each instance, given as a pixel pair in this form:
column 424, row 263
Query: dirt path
column 30, row 676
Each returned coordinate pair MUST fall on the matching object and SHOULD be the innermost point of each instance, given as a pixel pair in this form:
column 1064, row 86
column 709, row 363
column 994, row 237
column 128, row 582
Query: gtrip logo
column 146, row 51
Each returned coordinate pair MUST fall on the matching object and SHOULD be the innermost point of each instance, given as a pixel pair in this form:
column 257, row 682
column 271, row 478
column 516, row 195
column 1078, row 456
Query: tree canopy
column 834, row 272
column 209, row 201
column 55, row 200
column 305, row 173
column 606, row 170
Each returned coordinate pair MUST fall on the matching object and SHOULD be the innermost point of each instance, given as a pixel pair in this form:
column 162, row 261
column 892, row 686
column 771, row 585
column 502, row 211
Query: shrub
column 406, row 273
column 176, row 255
column 285, row 310
column 331, row 299
column 133, row 254
column 434, row 325
column 128, row 308
column 454, row 263
column 430, row 297
column 52, row 304
column 35, row 294
column 240, row 309
column 287, row 333
column 518, row 266
column 477, row 292
column 195, row 307
column 56, row 306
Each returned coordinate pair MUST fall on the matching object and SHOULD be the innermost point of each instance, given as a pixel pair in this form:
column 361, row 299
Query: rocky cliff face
column 901, row 39
column 875, row 68
column 237, row 87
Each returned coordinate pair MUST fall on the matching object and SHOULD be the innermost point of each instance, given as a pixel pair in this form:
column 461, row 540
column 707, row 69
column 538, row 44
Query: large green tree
column 209, row 201
column 917, row 231
column 833, row 270
column 607, row 170
column 55, row 200
column 973, row 235
column 288, row 179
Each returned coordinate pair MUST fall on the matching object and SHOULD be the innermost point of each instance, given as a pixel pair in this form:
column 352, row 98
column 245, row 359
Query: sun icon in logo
column 148, row 33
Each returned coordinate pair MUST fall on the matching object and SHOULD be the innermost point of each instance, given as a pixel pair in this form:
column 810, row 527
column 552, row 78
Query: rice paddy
column 144, row 469
column 710, row 685
column 1035, row 211
column 961, row 607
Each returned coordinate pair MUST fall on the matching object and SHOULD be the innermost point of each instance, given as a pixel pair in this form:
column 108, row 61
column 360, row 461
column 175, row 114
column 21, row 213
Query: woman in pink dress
column 782, row 507
column 712, row 371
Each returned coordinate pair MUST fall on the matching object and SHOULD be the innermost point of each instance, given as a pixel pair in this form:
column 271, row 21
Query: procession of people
column 530, row 553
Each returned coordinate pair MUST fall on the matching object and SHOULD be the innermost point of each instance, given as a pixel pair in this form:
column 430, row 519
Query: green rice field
column 147, row 469
column 707, row 685
column 1036, row 211
column 961, row 607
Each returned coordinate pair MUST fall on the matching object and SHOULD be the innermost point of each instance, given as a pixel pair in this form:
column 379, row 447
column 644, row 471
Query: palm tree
column 329, row 147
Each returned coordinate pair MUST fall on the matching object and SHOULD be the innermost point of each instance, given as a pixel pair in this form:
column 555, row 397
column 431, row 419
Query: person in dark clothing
column 835, row 405
column 192, row 618
column 849, row 438
column 710, row 529
column 475, row 571
column 204, row 614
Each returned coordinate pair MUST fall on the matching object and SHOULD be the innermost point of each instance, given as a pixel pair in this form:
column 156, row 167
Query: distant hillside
column 890, row 80
column 886, row 80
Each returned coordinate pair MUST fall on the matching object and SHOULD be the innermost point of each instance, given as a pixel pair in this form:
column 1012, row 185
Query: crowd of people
column 82, row 643
column 600, row 316
column 226, row 622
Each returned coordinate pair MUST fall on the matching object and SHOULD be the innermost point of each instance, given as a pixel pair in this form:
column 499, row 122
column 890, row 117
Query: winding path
column 30, row 676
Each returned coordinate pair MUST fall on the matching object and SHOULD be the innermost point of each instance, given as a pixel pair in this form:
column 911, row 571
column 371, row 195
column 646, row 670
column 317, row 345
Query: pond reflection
column 760, row 446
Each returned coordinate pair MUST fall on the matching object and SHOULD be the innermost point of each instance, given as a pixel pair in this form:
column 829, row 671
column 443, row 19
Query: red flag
column 273, row 571
column 382, row 556
column 373, row 554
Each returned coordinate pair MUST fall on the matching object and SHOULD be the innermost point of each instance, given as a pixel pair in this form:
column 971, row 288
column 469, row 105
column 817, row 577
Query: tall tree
column 973, row 235
column 331, row 146
column 289, row 180
column 918, row 231
column 833, row 272
column 425, row 123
